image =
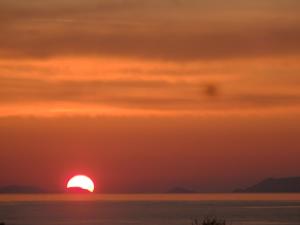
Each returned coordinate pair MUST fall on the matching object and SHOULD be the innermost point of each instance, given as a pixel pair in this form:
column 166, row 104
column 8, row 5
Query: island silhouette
column 274, row 185
column 269, row 185
column 77, row 190
column 21, row 189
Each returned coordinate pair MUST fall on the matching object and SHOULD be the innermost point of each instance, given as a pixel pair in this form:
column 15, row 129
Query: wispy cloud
column 167, row 57
column 146, row 88
column 169, row 30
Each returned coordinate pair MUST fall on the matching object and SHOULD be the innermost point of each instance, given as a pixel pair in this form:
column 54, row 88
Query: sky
column 147, row 95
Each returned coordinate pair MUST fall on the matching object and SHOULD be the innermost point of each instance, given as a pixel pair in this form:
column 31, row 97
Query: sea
column 149, row 209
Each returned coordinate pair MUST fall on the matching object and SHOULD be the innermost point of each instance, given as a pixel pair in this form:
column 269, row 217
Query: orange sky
column 146, row 95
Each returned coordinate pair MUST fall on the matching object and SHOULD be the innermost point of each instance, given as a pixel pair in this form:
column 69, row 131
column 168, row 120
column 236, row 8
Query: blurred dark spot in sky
column 211, row 90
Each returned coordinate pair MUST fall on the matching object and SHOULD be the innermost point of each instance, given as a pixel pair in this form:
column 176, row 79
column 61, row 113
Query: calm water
column 242, row 209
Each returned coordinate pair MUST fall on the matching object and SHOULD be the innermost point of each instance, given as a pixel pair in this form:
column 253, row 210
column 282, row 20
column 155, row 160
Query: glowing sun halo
column 81, row 181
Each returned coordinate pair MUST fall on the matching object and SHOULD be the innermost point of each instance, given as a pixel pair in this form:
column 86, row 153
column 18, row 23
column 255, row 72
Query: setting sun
column 82, row 182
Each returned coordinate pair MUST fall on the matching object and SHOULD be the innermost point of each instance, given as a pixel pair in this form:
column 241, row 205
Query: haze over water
column 150, row 209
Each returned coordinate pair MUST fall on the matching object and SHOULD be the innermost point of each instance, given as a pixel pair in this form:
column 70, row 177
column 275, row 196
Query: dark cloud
column 141, row 29
column 157, row 95
column 109, row 92
column 246, row 42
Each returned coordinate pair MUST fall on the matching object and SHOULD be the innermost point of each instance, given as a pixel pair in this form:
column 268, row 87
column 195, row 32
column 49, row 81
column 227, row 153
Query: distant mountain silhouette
column 181, row 190
column 272, row 185
column 77, row 190
column 15, row 189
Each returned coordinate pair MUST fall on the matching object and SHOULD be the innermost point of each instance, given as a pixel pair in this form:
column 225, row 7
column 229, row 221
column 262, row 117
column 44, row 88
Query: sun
column 81, row 182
